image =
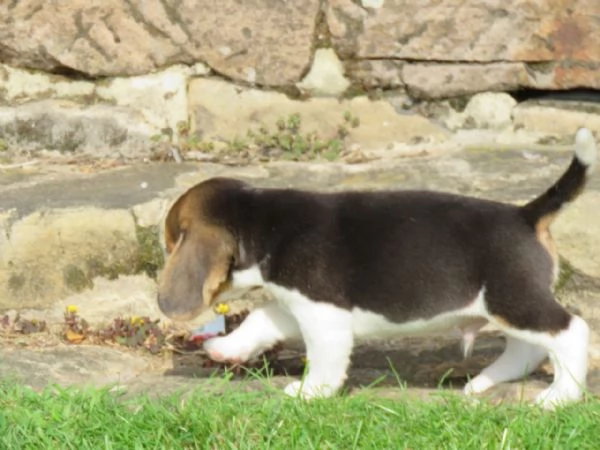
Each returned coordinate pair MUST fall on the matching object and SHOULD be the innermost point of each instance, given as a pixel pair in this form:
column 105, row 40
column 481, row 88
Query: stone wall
column 105, row 76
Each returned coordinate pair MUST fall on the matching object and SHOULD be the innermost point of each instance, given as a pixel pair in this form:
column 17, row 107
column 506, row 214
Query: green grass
column 97, row 419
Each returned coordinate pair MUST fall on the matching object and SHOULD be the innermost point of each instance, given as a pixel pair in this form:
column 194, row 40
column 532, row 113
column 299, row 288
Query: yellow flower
column 136, row 320
column 222, row 308
column 72, row 309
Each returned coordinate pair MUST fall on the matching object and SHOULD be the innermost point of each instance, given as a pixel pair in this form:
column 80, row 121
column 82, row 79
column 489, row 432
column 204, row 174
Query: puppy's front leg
column 327, row 333
column 263, row 328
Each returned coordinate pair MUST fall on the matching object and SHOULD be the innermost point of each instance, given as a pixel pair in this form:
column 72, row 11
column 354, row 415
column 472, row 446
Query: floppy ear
column 172, row 229
column 223, row 252
column 196, row 271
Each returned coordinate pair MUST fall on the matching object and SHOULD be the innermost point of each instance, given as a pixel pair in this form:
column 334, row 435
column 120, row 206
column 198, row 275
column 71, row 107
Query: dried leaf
column 73, row 337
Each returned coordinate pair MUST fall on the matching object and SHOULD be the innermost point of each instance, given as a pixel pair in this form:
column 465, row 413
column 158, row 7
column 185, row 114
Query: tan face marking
column 199, row 260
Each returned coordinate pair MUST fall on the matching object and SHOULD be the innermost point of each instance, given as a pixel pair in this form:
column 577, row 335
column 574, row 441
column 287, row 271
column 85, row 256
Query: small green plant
column 288, row 141
column 565, row 275
column 285, row 140
column 167, row 147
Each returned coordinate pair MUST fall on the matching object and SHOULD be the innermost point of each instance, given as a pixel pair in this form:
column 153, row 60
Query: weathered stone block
column 557, row 118
column 50, row 254
column 213, row 117
column 67, row 126
column 160, row 97
column 326, row 76
column 19, row 86
column 433, row 80
column 562, row 40
column 576, row 232
column 267, row 42
column 490, row 110
column 378, row 73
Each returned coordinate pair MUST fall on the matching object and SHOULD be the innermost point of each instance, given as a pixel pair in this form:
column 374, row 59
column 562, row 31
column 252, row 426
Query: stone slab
column 264, row 42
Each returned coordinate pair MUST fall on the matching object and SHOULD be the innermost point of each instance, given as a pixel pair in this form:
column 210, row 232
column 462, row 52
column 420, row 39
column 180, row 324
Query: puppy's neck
column 264, row 221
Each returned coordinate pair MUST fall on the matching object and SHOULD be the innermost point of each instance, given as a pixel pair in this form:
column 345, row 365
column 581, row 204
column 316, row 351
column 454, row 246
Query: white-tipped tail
column 585, row 148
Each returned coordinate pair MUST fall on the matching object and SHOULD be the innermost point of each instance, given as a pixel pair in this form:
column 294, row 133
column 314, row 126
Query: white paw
column 306, row 390
column 223, row 349
column 552, row 397
column 477, row 385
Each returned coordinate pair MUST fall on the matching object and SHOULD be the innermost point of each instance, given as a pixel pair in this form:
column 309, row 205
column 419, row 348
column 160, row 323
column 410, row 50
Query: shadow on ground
column 409, row 366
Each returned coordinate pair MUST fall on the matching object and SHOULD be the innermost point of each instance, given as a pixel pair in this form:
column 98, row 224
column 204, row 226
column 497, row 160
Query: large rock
column 20, row 86
column 557, row 118
column 128, row 295
column 84, row 365
column 560, row 44
column 212, row 116
column 326, row 76
column 50, row 254
column 490, row 110
column 67, row 126
column 160, row 97
column 377, row 73
column 63, row 233
column 576, row 232
column 267, row 42
column 443, row 80
column 42, row 110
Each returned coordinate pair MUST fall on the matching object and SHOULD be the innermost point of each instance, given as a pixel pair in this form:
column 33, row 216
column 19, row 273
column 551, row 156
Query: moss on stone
column 112, row 271
column 565, row 275
column 459, row 103
column 149, row 257
column 355, row 90
column 16, row 282
column 146, row 258
column 76, row 279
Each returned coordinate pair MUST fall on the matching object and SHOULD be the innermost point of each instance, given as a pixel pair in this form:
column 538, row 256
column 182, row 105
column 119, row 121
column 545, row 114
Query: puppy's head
column 200, row 250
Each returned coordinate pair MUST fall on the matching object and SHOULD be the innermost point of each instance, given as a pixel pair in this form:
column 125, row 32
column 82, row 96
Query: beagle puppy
column 354, row 264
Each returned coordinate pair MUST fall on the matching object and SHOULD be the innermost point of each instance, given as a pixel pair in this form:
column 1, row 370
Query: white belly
column 366, row 324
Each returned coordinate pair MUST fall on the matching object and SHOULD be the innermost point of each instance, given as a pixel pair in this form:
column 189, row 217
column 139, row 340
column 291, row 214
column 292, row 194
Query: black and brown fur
column 403, row 254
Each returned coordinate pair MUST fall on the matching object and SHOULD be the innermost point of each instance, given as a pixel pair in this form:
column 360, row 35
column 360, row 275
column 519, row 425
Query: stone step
column 64, row 235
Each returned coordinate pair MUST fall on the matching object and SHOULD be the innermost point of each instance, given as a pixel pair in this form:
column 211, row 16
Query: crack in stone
column 109, row 27
column 236, row 53
column 452, row 62
column 139, row 18
column 175, row 18
column 33, row 12
column 403, row 40
column 320, row 25
column 62, row 68
column 346, row 46
column 83, row 32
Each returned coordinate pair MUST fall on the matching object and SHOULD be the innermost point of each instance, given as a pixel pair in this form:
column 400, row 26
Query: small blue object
column 212, row 328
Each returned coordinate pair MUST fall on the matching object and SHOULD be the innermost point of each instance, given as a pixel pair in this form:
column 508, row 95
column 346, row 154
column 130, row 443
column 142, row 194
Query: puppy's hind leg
column 519, row 359
column 263, row 328
column 568, row 351
column 540, row 322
